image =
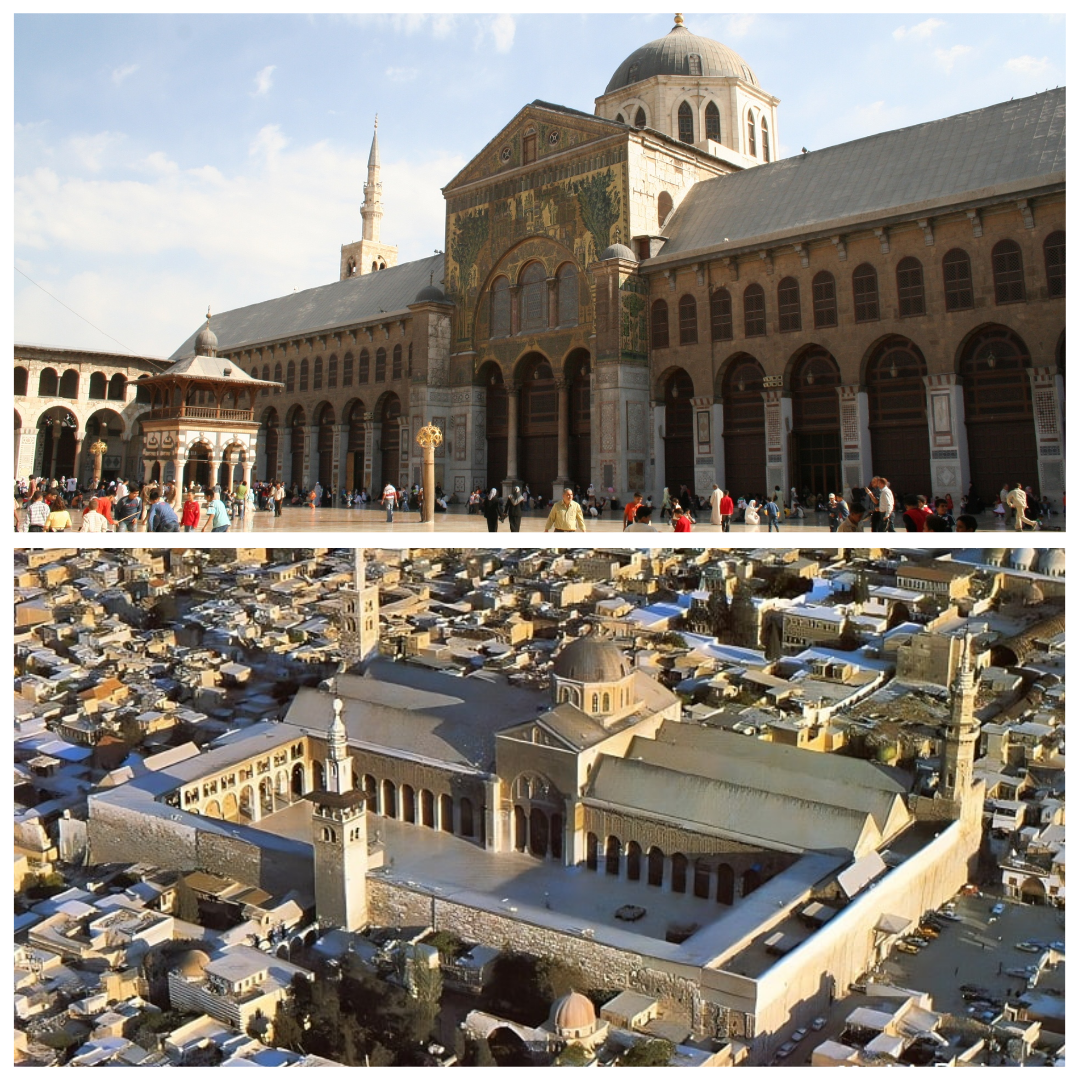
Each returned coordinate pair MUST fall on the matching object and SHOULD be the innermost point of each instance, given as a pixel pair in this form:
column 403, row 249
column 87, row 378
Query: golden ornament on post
column 97, row 451
column 429, row 436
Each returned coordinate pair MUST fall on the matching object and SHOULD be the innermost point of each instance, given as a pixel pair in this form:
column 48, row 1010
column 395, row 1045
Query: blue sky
column 164, row 163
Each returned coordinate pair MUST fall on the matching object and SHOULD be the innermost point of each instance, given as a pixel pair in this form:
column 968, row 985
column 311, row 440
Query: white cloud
column 401, row 74
column 502, row 30
column 264, row 80
column 921, row 30
column 1028, row 65
column 90, row 149
column 121, row 73
column 738, row 26
column 946, row 58
column 143, row 255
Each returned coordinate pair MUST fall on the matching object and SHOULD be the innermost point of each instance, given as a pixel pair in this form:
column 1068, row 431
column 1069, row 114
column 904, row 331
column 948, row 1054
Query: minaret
column 369, row 253
column 339, row 836
column 962, row 732
column 371, row 211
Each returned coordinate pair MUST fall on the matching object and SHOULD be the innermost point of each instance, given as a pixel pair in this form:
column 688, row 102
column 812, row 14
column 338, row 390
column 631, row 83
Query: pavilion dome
column 430, row 294
column 206, row 340
column 1052, row 562
column 590, row 660
column 618, row 251
column 1022, row 558
column 670, row 55
column 573, row 1014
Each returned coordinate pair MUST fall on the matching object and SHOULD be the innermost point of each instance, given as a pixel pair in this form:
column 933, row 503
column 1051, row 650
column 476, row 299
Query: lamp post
column 97, row 450
column 429, row 436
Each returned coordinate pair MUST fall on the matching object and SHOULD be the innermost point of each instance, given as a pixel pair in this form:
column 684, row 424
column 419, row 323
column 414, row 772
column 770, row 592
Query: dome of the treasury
column 590, row 660
column 573, row 1012
column 430, row 294
column 206, row 340
column 670, row 55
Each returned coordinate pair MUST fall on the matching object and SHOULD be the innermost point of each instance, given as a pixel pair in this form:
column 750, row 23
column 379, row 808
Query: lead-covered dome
column 672, row 55
column 589, row 660
column 574, row 1015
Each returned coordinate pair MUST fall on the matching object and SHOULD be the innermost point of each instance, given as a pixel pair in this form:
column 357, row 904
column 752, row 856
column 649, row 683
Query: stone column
column 311, row 444
column 563, row 472
column 147, row 467
column 372, row 431
column 719, row 465
column 1046, row 401
column 513, row 396
column 97, row 451
column 246, row 467
column 659, row 412
column 704, row 446
column 777, row 434
column 856, row 466
column 949, row 466
column 428, row 437
column 344, row 459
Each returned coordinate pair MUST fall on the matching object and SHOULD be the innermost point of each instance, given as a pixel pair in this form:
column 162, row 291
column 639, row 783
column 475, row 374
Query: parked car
column 1027, row 946
column 998, row 909
column 817, row 1023
column 785, row 1050
column 928, row 931
column 907, row 947
column 799, row 1034
column 946, row 913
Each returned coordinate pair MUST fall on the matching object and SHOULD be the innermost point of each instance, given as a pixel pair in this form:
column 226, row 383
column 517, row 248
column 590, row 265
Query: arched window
column 686, row 123
column 277, row 376
column 568, row 294
column 22, row 379
column 48, row 382
column 956, row 269
column 142, row 393
column 69, row 383
column 331, row 373
column 1008, row 266
column 303, row 375
column 788, row 306
column 396, row 370
column 290, row 376
column 751, row 135
column 765, row 140
column 754, row 311
column 687, row 321
column 639, row 120
column 380, row 364
column 663, row 207
column 909, row 287
column 266, row 378
column 255, row 372
column 347, row 370
column 824, row 299
column 98, row 386
column 693, row 64
column 500, row 307
column 659, row 324
column 720, row 313
column 712, row 122
column 533, row 299
column 596, row 703
column 316, row 377
column 528, row 148
column 864, row 286
column 619, row 119
column 363, row 367
column 1054, row 253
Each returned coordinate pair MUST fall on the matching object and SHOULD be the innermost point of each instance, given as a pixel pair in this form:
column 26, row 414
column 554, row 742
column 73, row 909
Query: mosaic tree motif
column 600, row 207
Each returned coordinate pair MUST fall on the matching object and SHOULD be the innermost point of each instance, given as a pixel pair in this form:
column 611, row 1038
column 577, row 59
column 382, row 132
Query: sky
column 164, row 164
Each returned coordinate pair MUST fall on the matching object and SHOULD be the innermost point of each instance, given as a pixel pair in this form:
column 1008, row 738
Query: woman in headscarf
column 752, row 516
column 665, row 505
column 490, row 509
column 514, row 506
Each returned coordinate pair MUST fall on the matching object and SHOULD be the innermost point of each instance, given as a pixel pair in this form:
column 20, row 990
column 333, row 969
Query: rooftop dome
column 618, row 251
column 191, row 963
column 573, row 1012
column 590, row 660
column 670, row 55
column 1021, row 558
column 1052, row 561
column 206, row 339
column 430, row 293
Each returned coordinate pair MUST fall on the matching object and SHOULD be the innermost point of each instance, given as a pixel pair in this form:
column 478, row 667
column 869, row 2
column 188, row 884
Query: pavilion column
column 247, row 473
column 147, row 467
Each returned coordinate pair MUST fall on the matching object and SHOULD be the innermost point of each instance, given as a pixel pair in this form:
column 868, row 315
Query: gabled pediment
column 539, row 733
column 557, row 130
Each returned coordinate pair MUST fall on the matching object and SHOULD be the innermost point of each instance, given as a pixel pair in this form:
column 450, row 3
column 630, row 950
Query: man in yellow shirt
column 566, row 516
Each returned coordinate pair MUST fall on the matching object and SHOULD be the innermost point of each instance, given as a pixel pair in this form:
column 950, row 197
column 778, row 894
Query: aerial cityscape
column 527, row 806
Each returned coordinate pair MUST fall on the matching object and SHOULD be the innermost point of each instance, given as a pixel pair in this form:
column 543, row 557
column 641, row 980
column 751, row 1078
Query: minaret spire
column 372, row 211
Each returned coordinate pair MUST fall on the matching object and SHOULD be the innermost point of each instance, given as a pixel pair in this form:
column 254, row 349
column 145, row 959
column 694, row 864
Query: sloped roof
column 1016, row 143
column 342, row 303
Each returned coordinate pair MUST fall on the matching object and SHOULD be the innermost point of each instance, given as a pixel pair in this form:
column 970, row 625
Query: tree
column 485, row 1059
column 575, row 1055
column 287, row 1030
column 649, row 1053
column 185, row 902
column 860, row 590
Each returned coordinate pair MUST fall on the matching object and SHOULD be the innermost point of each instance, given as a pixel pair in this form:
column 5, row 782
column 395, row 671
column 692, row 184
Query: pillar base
column 508, row 486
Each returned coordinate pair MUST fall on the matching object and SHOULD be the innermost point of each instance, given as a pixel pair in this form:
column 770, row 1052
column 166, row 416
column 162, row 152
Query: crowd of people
column 44, row 505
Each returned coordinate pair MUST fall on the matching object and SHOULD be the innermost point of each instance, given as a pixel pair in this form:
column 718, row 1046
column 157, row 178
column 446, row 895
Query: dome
column 1052, row 562
column 430, row 294
column 590, row 660
column 573, row 1012
column 191, row 963
column 618, row 251
column 670, row 55
column 994, row 556
column 206, row 340
column 1022, row 558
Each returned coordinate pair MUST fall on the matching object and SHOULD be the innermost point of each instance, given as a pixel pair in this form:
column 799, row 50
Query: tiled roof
column 342, row 303
column 1015, row 143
